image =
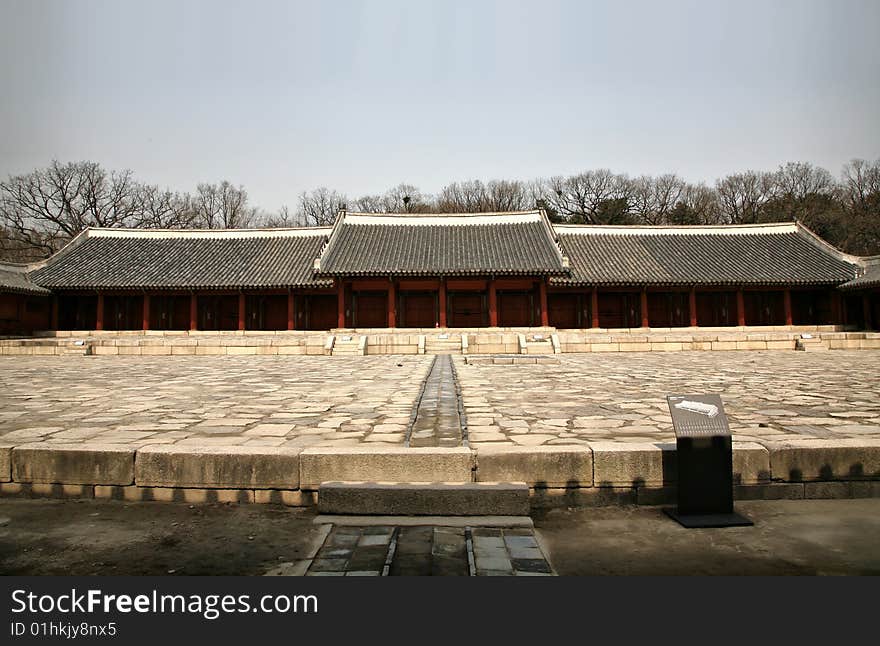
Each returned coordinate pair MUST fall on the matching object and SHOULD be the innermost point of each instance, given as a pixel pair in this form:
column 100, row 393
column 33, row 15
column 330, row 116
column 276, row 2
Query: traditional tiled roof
column 13, row 278
column 206, row 259
column 771, row 254
column 467, row 244
column 870, row 276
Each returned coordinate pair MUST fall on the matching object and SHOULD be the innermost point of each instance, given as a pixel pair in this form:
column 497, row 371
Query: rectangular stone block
column 287, row 497
column 241, row 349
column 621, row 464
column 105, row 350
column 424, row 499
column 218, row 467
column 73, row 464
column 848, row 489
column 395, row 464
column 42, row 490
column 6, row 462
column 605, row 347
column 537, row 466
column 820, row 459
column 724, row 345
column 751, row 463
column 771, row 491
column 135, row 493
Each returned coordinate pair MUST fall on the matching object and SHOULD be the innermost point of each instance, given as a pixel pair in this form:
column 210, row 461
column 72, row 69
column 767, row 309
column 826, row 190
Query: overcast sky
column 360, row 96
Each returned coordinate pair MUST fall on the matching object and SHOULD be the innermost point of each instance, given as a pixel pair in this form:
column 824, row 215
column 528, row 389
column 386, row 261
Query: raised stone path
column 437, row 421
column 318, row 401
column 429, row 551
column 768, row 396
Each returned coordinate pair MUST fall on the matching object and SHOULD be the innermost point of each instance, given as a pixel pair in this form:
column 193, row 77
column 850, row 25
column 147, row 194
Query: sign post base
column 696, row 521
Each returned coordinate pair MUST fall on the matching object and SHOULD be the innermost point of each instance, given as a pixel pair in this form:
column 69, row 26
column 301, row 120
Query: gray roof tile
column 498, row 243
column 143, row 259
column 783, row 254
column 15, row 280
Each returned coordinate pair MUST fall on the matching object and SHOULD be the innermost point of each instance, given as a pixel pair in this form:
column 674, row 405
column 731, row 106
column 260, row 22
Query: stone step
column 424, row 498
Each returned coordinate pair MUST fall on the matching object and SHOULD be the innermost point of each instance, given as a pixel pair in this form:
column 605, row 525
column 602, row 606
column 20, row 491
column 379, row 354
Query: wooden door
column 514, row 309
column 417, row 309
column 371, row 309
column 564, row 311
column 466, row 309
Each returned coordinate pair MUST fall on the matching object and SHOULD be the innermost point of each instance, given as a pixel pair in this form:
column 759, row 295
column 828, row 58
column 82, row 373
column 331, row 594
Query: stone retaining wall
column 596, row 474
column 479, row 341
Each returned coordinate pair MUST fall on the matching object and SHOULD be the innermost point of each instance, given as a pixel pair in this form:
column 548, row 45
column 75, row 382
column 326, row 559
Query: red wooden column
column 54, row 320
column 193, row 312
column 442, row 304
column 241, row 308
column 836, row 308
column 866, row 309
column 99, row 318
column 545, row 315
column 594, row 307
column 692, row 306
column 340, row 304
column 740, row 308
column 392, row 304
column 146, row 308
column 644, row 308
column 493, row 304
column 291, row 311
column 786, row 304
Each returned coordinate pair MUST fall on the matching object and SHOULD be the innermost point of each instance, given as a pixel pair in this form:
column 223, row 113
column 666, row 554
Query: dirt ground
column 89, row 537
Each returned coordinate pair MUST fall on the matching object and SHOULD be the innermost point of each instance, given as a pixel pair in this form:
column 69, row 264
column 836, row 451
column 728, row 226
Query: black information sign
column 704, row 456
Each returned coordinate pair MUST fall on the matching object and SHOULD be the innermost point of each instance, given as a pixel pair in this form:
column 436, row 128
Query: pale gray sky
column 360, row 96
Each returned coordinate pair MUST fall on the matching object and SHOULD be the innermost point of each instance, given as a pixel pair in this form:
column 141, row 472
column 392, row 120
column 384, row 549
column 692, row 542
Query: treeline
column 41, row 210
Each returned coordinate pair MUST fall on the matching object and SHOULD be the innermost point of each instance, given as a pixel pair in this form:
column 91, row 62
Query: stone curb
column 600, row 473
column 90, row 464
column 232, row 467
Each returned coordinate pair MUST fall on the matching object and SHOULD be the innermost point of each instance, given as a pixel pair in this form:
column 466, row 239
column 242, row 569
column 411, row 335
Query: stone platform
column 592, row 429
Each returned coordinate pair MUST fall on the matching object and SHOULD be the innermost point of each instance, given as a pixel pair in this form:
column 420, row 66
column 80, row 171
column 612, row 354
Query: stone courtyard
column 316, row 401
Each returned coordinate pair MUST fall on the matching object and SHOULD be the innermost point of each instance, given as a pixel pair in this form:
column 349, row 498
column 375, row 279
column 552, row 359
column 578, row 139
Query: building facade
column 442, row 271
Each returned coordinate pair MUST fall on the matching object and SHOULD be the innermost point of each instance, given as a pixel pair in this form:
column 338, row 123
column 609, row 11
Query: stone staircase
column 75, row 349
column 811, row 344
column 424, row 498
column 537, row 344
column 349, row 345
column 443, row 344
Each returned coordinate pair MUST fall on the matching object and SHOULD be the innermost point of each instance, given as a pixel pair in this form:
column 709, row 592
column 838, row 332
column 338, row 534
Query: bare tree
column 163, row 209
column 319, row 207
column 222, row 206
column 47, row 207
column 653, row 198
column 741, row 196
column 586, row 197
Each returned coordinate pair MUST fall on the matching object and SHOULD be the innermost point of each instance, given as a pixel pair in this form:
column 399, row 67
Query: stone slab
column 389, row 463
column 538, row 466
column 73, row 464
column 220, row 467
column 634, row 464
column 423, row 499
column 6, row 462
column 820, row 459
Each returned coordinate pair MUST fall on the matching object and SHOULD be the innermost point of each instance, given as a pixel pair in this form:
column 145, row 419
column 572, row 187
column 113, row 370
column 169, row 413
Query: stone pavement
column 318, row 401
column 768, row 396
column 209, row 401
column 429, row 551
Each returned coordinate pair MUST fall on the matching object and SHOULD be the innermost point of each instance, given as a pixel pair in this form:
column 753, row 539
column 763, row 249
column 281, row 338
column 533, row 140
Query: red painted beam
column 442, row 304
column 493, row 304
column 545, row 315
column 392, row 305
column 740, row 308
column 643, row 305
column 291, row 311
column 786, row 303
column 594, row 307
column 146, row 312
column 692, row 306
column 99, row 317
column 193, row 312
column 241, row 311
